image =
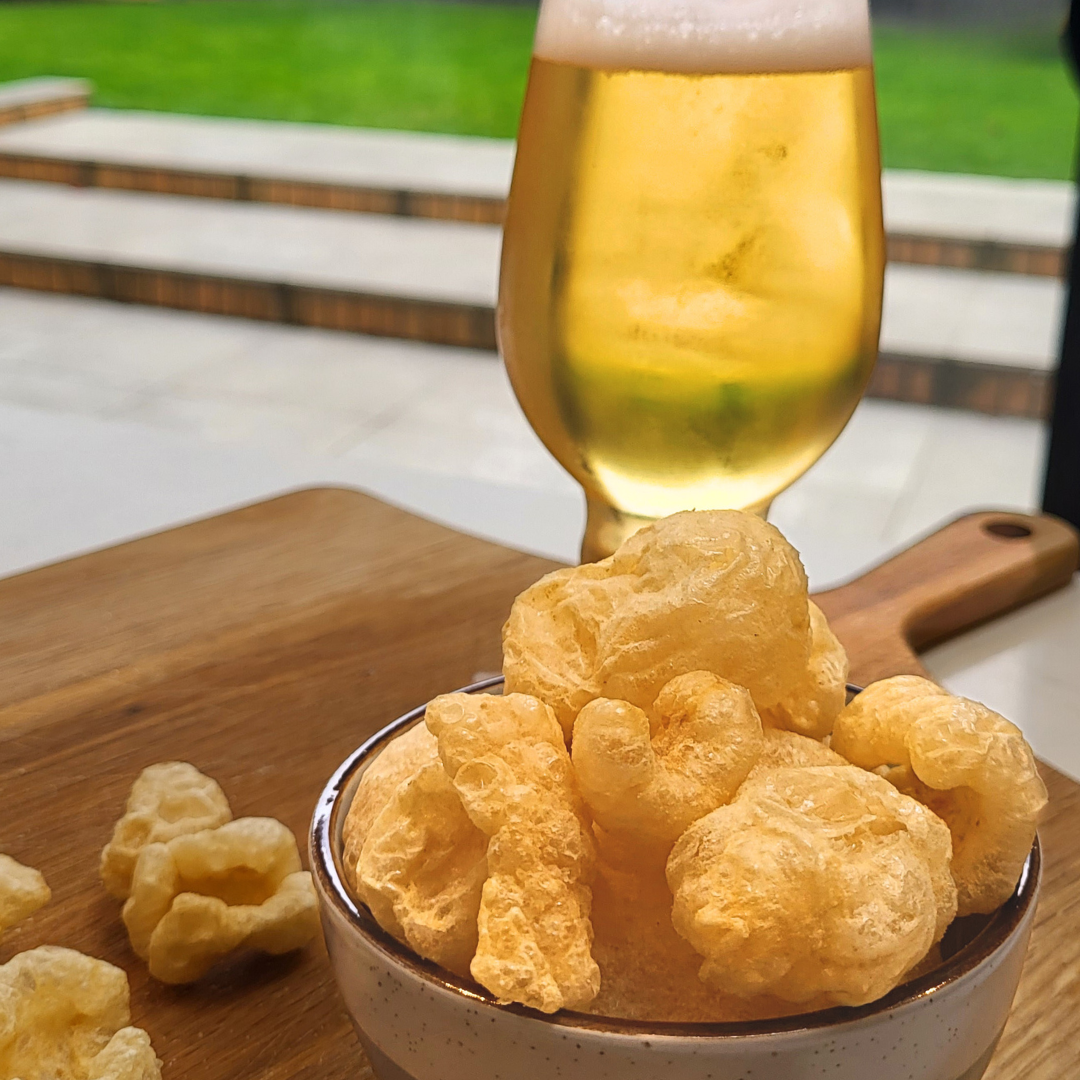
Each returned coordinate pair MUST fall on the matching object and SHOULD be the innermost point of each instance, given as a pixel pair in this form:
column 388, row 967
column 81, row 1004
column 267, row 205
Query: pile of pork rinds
column 672, row 815
column 197, row 885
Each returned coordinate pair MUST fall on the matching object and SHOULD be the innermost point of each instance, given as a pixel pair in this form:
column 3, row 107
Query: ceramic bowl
column 419, row 1022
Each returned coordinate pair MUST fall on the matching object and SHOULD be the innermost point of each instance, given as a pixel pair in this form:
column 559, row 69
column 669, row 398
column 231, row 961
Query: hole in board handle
column 1007, row 530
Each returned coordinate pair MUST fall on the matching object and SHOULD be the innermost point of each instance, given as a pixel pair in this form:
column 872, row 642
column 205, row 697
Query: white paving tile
column 878, row 449
column 278, row 426
column 971, row 315
column 838, row 530
column 898, row 472
column 970, row 462
column 343, row 374
column 1037, row 212
column 365, row 404
column 467, row 422
column 839, row 513
column 136, row 352
column 75, row 483
column 61, row 389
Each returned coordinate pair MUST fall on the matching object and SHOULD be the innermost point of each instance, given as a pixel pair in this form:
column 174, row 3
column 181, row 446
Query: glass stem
column 606, row 527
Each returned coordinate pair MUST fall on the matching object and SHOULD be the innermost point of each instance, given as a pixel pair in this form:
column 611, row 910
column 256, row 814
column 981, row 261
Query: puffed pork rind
column 64, row 1016
column 782, row 749
column 649, row 780
column 23, row 890
column 128, row 1056
column 400, row 759
column 719, row 591
column 509, row 764
column 874, row 727
column 648, row 972
column 821, row 884
column 203, row 895
column 812, row 706
column 167, row 800
column 422, row 868
column 968, row 764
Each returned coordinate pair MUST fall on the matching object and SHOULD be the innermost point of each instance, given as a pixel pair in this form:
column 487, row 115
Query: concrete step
column 979, row 222
column 29, row 99
column 968, row 222
column 385, row 172
column 428, row 280
column 962, row 338
column 967, row 339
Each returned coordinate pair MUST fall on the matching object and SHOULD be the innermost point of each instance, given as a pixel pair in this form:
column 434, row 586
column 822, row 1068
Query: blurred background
column 974, row 11
column 974, row 86
column 256, row 247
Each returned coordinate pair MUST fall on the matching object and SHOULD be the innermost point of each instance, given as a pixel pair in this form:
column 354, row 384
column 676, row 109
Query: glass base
column 606, row 527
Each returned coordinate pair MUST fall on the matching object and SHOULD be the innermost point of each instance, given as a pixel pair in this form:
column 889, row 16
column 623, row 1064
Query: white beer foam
column 706, row 36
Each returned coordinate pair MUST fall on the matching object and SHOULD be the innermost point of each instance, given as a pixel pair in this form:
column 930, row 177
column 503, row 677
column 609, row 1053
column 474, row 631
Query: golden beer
column 691, row 280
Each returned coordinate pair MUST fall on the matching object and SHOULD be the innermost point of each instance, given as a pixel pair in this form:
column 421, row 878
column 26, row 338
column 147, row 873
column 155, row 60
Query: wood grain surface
column 978, row 567
column 974, row 569
column 266, row 644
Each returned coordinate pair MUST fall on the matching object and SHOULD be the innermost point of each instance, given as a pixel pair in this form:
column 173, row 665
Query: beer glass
column 692, row 267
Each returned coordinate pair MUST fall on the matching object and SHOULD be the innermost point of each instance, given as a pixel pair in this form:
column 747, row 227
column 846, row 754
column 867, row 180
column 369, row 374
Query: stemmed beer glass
column 693, row 258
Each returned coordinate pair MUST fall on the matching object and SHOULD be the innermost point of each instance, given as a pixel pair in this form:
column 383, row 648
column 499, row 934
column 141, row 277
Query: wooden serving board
column 266, row 644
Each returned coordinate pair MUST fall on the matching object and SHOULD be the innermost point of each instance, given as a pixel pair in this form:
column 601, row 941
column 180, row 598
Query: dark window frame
column 1061, row 493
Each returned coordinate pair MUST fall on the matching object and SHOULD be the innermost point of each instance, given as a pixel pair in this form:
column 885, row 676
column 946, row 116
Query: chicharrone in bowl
column 419, row 1022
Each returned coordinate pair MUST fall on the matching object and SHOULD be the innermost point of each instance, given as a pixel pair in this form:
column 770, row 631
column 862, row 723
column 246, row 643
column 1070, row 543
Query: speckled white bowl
column 419, row 1022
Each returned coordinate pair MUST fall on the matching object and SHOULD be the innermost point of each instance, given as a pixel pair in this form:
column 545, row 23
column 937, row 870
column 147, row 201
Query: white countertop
column 1025, row 666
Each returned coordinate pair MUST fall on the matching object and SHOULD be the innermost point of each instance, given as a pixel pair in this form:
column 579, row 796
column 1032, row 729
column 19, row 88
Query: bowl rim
column 1002, row 924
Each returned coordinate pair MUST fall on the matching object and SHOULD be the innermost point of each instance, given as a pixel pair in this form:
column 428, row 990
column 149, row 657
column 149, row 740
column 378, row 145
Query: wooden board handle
column 974, row 569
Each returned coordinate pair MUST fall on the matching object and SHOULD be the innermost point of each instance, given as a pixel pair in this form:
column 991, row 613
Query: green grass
column 958, row 102
column 421, row 66
column 1002, row 104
